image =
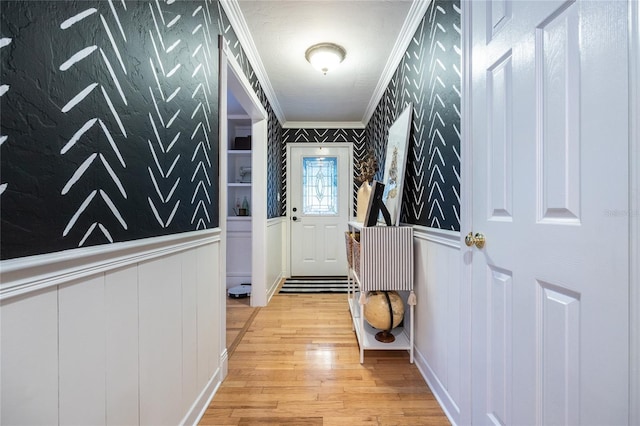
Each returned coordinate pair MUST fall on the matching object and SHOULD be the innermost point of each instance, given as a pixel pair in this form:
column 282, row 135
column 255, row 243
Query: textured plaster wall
column 109, row 122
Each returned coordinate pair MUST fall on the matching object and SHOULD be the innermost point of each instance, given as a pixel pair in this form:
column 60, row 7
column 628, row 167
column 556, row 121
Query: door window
column 320, row 186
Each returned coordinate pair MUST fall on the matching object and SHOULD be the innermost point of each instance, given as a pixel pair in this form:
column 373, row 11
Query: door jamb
column 288, row 194
column 634, row 213
column 232, row 78
column 466, row 215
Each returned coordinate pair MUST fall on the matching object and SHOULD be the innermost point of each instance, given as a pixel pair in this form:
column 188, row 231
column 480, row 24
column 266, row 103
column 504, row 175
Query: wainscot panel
column 441, row 318
column 122, row 334
column 277, row 241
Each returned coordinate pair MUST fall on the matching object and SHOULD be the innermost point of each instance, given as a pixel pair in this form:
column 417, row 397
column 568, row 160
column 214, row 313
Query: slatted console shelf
column 380, row 258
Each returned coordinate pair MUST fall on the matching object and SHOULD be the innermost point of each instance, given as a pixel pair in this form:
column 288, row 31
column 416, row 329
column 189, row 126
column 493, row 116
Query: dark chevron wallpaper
column 109, row 125
column 109, row 122
column 429, row 76
column 276, row 166
column 355, row 136
column 109, row 129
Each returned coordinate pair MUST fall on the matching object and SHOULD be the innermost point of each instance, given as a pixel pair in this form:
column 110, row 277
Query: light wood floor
column 298, row 364
column 240, row 316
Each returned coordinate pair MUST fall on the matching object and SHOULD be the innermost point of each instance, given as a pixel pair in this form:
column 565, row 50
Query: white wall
column 239, row 246
column 277, row 241
column 129, row 333
column 442, row 339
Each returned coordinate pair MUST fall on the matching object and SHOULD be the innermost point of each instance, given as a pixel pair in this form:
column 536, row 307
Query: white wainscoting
column 276, row 258
column 129, row 333
column 442, row 313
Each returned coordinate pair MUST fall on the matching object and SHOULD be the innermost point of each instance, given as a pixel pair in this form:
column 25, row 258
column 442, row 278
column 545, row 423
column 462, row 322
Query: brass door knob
column 477, row 239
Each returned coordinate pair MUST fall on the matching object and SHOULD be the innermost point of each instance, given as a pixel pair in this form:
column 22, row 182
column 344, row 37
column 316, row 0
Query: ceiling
column 276, row 33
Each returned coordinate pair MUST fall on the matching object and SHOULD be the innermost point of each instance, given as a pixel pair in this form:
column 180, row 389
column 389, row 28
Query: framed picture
column 395, row 163
column 376, row 206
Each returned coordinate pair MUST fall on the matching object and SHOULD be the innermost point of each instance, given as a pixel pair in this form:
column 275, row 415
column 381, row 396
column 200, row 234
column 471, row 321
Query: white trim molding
column 27, row 274
column 254, row 108
column 200, row 405
column 414, row 17
column 466, row 211
column 409, row 27
column 634, row 213
column 323, row 125
column 234, row 81
column 232, row 9
column 438, row 236
column 447, row 405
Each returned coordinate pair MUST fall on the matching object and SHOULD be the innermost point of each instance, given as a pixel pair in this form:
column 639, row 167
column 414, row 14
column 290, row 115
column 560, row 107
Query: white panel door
column 320, row 179
column 549, row 129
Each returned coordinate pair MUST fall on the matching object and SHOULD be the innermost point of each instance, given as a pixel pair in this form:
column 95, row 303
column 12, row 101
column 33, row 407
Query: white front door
column 320, row 182
column 549, row 141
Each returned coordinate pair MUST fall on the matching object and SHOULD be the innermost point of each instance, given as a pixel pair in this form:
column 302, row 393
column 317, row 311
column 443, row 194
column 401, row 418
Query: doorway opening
column 243, row 145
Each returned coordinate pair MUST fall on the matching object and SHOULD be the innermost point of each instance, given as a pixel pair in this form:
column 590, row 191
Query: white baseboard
column 446, row 403
column 201, row 404
column 274, row 286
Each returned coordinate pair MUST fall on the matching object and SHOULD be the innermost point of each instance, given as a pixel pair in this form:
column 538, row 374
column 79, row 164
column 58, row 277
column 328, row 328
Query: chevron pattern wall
column 276, row 167
column 356, row 136
column 429, row 76
column 109, row 122
column 109, row 126
column 112, row 135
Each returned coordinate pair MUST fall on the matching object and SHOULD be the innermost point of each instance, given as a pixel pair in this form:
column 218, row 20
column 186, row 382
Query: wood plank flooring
column 240, row 316
column 298, row 364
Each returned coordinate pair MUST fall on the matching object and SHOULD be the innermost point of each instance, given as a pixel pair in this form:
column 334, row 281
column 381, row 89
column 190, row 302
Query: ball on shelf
column 376, row 310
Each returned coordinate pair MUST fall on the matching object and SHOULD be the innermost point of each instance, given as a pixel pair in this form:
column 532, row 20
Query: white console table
column 380, row 259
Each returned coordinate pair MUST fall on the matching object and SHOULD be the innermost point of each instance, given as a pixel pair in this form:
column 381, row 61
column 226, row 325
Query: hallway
column 298, row 364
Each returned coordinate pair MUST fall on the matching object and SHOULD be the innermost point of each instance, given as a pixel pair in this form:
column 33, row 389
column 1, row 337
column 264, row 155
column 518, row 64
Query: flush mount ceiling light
column 325, row 56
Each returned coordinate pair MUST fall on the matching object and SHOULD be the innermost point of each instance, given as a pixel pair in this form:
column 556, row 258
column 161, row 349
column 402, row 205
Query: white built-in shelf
column 239, row 117
column 239, row 228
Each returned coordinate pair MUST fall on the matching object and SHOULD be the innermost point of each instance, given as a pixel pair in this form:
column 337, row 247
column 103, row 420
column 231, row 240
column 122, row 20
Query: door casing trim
column 288, row 193
column 634, row 213
column 232, row 78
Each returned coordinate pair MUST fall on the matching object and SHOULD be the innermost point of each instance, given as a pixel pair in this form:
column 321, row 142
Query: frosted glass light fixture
column 325, row 56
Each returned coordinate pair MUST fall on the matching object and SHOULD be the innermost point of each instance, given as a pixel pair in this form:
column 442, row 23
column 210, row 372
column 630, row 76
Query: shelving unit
column 380, row 259
column 238, row 186
column 239, row 241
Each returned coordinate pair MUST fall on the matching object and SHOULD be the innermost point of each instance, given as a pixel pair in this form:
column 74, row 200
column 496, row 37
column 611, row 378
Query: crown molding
column 323, row 125
column 239, row 25
column 409, row 27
